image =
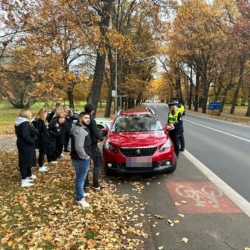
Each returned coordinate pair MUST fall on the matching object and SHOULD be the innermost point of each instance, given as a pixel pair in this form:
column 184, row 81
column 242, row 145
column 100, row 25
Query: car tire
column 173, row 168
column 107, row 173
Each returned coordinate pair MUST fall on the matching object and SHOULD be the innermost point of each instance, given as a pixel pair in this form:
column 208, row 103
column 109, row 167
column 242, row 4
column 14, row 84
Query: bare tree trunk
column 223, row 101
column 248, row 109
column 95, row 91
column 71, row 99
column 196, row 96
column 236, row 93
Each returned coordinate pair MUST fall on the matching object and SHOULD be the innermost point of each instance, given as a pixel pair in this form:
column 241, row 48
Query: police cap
column 174, row 104
column 175, row 99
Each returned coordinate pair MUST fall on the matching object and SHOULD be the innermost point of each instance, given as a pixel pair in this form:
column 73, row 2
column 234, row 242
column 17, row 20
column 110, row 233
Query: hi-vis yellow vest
column 181, row 109
column 173, row 118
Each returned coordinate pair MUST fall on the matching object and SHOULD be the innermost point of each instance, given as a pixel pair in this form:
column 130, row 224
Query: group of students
column 51, row 139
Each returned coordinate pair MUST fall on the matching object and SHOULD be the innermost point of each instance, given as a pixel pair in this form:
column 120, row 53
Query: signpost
column 214, row 108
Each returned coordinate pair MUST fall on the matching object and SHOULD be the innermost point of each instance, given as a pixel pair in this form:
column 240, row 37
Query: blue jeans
column 81, row 169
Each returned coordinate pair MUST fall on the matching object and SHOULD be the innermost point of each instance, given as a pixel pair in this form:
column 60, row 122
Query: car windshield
column 133, row 123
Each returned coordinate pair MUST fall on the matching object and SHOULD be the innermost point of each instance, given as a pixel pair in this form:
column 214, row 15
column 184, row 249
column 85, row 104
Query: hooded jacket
column 80, row 142
column 26, row 133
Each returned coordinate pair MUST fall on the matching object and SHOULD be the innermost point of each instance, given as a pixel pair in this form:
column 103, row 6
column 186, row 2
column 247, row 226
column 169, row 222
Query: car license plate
column 136, row 162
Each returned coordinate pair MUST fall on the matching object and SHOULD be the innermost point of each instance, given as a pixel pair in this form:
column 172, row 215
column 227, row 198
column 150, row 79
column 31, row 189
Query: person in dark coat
column 68, row 125
column 26, row 137
column 55, row 129
column 42, row 138
column 57, row 107
column 175, row 121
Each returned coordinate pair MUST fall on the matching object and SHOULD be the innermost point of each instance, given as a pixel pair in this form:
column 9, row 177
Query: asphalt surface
column 198, row 204
column 211, row 220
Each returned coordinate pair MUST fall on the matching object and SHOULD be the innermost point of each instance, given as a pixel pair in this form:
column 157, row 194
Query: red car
column 138, row 143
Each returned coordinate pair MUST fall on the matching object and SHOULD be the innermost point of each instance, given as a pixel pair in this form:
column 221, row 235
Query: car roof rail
column 151, row 111
column 119, row 112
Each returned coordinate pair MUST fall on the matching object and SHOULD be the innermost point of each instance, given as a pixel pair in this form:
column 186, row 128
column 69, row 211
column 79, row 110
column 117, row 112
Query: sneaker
column 32, row 177
column 66, row 150
column 83, row 203
column 87, row 186
column 26, row 183
column 43, row 169
column 182, row 149
column 53, row 162
column 29, row 180
column 86, row 194
column 97, row 187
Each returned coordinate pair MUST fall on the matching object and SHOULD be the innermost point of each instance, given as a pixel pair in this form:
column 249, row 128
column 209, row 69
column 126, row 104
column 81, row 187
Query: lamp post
column 116, row 104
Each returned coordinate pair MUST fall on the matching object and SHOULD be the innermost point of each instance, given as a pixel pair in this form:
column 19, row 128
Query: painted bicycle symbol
column 209, row 192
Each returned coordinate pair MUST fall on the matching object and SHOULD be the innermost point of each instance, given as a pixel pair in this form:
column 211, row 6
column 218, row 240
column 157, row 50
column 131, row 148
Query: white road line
column 243, row 204
column 241, row 138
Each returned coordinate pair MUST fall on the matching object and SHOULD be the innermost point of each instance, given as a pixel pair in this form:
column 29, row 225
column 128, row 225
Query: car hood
column 135, row 139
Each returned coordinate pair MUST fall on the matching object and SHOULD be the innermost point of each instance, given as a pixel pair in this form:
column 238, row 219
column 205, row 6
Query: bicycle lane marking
column 200, row 197
column 228, row 192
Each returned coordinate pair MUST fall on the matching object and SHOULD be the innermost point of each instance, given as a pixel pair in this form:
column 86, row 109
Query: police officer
column 175, row 121
column 181, row 109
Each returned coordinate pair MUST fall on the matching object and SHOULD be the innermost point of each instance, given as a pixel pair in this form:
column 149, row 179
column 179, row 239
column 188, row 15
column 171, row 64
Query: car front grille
column 133, row 152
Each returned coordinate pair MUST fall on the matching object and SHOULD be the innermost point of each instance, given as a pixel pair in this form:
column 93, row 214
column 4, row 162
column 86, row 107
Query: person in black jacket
column 175, row 121
column 57, row 107
column 42, row 138
column 26, row 137
column 55, row 129
column 96, row 156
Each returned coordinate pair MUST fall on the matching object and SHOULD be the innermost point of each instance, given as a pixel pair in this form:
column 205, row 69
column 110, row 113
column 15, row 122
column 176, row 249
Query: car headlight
column 108, row 146
column 167, row 144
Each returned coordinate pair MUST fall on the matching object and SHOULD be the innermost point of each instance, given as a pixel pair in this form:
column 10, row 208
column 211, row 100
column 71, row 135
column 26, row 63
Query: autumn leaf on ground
column 177, row 203
column 183, row 202
column 181, row 215
column 161, row 247
column 157, row 234
column 184, row 240
column 170, row 223
column 159, row 216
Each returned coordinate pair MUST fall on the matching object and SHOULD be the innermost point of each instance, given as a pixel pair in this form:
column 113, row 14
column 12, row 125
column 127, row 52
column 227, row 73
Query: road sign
column 214, row 105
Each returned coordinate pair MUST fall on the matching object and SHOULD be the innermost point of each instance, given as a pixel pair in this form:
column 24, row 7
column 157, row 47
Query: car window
column 134, row 123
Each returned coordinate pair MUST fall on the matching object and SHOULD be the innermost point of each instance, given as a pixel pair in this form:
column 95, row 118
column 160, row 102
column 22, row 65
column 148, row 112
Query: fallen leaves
column 185, row 240
column 159, row 216
column 46, row 216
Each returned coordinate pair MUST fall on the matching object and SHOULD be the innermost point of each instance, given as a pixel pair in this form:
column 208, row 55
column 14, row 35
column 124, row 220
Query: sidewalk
column 223, row 116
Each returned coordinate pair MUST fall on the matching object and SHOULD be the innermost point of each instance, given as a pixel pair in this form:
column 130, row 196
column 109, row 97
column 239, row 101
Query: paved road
column 221, row 146
column 201, row 210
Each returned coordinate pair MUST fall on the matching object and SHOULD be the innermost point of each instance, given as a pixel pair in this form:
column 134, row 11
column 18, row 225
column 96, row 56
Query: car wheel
column 173, row 168
column 107, row 173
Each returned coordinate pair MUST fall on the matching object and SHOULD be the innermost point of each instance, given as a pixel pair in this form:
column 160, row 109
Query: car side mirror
column 104, row 131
